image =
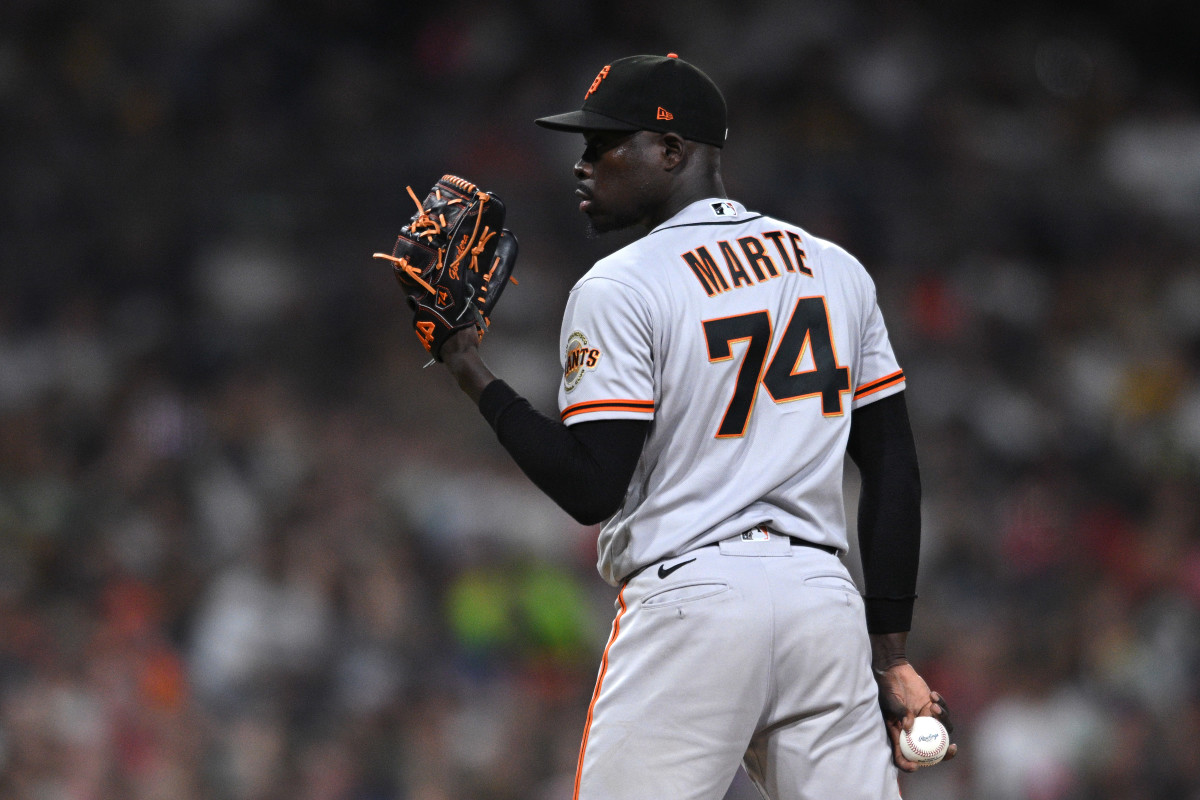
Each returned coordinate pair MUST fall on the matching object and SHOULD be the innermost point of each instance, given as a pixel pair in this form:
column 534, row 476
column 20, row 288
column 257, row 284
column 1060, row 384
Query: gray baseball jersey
column 747, row 342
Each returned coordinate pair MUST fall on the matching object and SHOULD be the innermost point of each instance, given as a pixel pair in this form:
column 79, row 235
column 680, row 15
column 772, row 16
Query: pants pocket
column 687, row 593
column 831, row 581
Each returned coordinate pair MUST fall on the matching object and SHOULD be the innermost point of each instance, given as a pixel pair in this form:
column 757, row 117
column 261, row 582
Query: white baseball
column 926, row 743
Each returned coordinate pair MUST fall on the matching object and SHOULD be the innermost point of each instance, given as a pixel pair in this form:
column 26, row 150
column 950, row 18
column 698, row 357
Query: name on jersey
column 578, row 358
column 747, row 261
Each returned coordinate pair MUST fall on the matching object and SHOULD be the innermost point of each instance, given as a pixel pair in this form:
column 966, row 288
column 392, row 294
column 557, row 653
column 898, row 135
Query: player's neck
column 684, row 194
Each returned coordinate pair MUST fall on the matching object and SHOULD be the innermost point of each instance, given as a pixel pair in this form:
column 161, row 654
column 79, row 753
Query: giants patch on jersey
column 578, row 359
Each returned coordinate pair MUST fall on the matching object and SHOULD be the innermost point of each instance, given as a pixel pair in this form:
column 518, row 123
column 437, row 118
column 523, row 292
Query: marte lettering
column 748, row 262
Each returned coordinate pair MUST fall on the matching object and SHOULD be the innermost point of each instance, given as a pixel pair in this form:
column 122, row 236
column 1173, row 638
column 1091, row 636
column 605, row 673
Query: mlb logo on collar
column 724, row 209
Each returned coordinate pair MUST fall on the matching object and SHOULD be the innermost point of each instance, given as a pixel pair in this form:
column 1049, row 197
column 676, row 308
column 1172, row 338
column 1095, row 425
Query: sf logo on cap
column 596, row 83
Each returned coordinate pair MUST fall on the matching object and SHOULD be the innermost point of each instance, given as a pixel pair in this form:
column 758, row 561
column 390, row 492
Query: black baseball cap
column 649, row 93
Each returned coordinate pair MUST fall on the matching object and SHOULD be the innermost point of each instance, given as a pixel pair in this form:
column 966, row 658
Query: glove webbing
column 426, row 227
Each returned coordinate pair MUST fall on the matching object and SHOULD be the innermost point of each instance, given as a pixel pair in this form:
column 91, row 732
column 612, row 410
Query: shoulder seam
column 638, row 292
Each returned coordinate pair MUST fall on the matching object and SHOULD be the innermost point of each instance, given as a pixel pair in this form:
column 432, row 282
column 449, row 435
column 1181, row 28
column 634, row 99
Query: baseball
column 926, row 743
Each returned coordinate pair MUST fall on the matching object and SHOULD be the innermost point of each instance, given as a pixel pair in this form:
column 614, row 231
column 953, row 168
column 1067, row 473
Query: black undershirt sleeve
column 889, row 511
column 585, row 468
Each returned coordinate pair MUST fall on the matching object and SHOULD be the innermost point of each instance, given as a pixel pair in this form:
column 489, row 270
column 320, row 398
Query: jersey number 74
column 807, row 330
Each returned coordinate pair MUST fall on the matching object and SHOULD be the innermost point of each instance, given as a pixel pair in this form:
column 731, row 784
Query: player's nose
column 583, row 169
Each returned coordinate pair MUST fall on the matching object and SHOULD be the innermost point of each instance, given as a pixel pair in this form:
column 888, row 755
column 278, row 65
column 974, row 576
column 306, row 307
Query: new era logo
column 664, row 114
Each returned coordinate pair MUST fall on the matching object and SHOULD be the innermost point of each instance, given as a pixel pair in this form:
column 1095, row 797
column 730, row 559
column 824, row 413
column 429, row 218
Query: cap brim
column 584, row 120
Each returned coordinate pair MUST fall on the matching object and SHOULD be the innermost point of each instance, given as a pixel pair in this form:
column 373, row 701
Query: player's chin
column 598, row 222
column 597, row 226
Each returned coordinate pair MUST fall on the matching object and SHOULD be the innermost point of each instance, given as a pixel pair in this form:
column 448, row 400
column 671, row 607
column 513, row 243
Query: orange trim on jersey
column 640, row 406
column 877, row 386
column 587, row 727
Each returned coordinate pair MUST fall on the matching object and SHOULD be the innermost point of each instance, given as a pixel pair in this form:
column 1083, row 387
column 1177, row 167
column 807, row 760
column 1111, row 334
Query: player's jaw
column 601, row 218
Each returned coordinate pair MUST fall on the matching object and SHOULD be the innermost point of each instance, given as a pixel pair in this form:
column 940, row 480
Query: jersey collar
column 710, row 211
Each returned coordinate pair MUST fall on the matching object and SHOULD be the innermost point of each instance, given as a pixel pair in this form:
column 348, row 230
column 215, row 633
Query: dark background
column 250, row 550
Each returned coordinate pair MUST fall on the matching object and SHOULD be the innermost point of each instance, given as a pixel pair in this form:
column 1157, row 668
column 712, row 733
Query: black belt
column 828, row 548
column 833, row 551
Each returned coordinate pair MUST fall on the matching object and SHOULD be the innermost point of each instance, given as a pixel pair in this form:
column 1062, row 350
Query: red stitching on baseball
column 920, row 751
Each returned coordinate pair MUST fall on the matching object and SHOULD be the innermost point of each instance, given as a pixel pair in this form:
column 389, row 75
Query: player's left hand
column 904, row 696
column 459, row 343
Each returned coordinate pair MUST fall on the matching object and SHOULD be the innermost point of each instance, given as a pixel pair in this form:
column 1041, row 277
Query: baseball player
column 715, row 374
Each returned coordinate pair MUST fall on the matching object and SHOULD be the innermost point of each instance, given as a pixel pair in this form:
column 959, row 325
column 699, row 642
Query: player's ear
column 674, row 150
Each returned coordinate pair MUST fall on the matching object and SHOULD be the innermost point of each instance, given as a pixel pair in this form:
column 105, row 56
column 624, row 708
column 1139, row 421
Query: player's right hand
column 904, row 696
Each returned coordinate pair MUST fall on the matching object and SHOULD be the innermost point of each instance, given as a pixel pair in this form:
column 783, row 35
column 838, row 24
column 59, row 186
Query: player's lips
column 585, row 198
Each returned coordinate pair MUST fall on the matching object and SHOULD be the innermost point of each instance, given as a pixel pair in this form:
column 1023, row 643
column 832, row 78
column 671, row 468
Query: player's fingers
column 902, row 716
column 902, row 763
column 941, row 710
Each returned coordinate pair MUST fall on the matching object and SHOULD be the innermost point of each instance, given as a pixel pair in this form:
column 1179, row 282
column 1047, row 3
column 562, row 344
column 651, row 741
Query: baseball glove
column 453, row 260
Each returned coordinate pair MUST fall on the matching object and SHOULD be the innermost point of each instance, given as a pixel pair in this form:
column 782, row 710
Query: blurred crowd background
column 250, row 550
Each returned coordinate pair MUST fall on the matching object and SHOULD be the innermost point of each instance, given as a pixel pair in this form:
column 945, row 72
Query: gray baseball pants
column 753, row 653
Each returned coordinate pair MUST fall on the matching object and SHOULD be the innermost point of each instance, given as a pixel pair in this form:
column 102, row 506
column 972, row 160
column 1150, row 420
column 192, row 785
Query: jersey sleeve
column 606, row 347
column 878, row 374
